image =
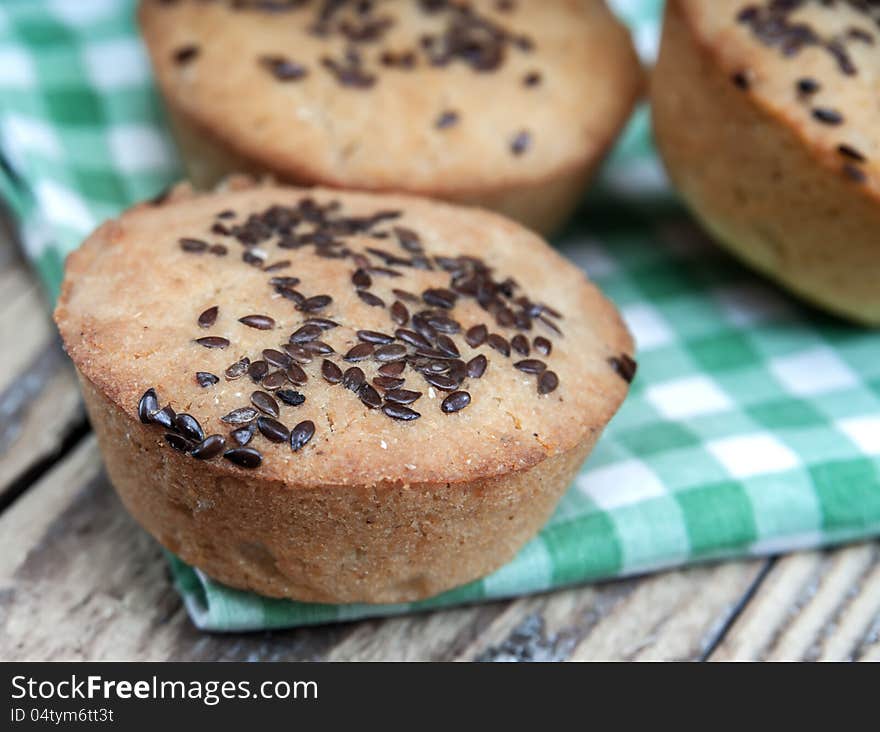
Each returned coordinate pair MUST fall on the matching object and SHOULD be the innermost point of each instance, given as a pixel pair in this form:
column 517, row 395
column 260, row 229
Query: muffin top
column 332, row 339
column 427, row 96
column 811, row 63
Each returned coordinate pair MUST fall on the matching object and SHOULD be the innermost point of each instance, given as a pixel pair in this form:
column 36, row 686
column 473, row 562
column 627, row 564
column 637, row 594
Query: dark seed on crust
column 284, row 281
column 260, row 322
column 208, row 317
column 194, row 246
column 520, row 344
column 164, row 417
column 301, row 434
column 388, row 382
column 370, row 299
column 395, row 368
column 272, row 429
column 243, row 435
column 476, row 367
column 542, row 345
column 242, row 415
column 265, row 403
column 276, row 358
column 375, row 337
column 455, row 402
column 855, row 173
column 369, row 396
column 244, row 457
column 441, row 381
column 808, row 86
column 212, row 342
column 209, row 448
column 402, row 396
column 296, row 374
column 741, row 80
column 274, row 381
column 398, row 411
column 827, row 116
column 305, row 333
column 547, row 382
column 499, row 343
column 288, row 293
column 283, row 69
column 476, row 336
column 257, row 371
column 392, row 352
column 850, row 152
column 297, row 353
column 290, row 397
column 238, row 369
column 318, row 348
column 399, row 313
column 331, row 372
column 353, row 378
column 276, row 266
column 447, row 346
column 446, row 119
column 206, row 379
column 624, row 366
column 530, row 366
column 444, row 324
column 550, row 324
column 322, row 323
column 313, row 304
column 440, row 298
column 149, row 403
column 521, row 142
column 185, row 54
column 359, row 352
column 189, row 427
column 533, row 78
column 361, row 280
column 412, row 338
column 177, row 442
column 406, row 296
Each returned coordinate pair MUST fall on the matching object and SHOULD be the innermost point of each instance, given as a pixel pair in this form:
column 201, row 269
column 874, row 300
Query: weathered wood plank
column 40, row 407
column 811, row 606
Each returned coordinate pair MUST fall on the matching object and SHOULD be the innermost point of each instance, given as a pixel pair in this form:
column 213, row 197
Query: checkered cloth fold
column 753, row 426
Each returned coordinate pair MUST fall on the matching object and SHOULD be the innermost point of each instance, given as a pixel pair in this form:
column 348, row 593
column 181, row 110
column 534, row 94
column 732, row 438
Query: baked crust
column 795, row 197
column 317, row 131
column 371, row 509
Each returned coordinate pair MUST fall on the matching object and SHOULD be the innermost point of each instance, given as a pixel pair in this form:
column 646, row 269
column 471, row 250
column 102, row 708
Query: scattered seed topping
column 398, row 411
column 533, row 78
column 741, row 80
column 243, row 435
column 521, row 142
column 369, row 396
column 164, row 418
column 242, row 415
column 212, row 342
column 147, row 406
column 391, row 352
column 850, row 152
column 181, row 444
column 807, row 86
column 359, row 352
column 283, row 69
column 208, row 317
column 331, row 372
column 446, row 119
column 520, row 344
column 455, row 402
column 370, row 299
column 530, row 366
column 301, row 434
column 372, row 336
column 306, row 333
column 290, row 397
column 265, row 403
column 272, row 429
column 476, row 367
column 193, row 246
column 185, row 54
column 499, row 343
column 209, row 448
column 854, row 173
column 314, row 304
column 827, row 116
column 244, row 457
column 206, row 379
column 258, row 370
column 625, row 366
column 238, row 369
column 353, row 378
column 547, row 382
column 399, row 313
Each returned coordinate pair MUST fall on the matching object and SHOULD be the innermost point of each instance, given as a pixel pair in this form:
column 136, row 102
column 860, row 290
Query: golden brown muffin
column 508, row 105
column 338, row 397
column 766, row 116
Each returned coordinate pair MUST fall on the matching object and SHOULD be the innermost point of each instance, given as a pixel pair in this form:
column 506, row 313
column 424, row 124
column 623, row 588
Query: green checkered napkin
column 753, row 425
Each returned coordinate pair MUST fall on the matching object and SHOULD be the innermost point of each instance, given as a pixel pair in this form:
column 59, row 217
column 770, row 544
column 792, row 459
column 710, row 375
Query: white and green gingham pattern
column 753, row 425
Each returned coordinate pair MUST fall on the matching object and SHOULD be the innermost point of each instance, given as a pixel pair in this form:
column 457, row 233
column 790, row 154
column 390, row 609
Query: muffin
column 765, row 114
column 338, row 397
column 507, row 104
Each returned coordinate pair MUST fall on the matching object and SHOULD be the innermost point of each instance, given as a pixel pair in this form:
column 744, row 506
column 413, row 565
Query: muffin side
column 758, row 179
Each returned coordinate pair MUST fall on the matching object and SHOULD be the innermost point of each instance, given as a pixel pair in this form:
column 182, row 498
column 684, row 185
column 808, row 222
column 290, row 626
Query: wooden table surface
column 79, row 580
